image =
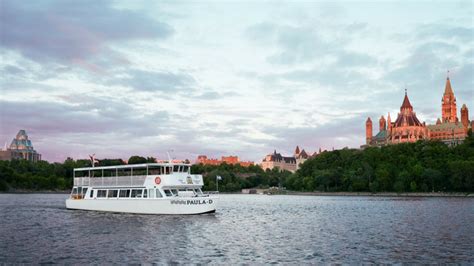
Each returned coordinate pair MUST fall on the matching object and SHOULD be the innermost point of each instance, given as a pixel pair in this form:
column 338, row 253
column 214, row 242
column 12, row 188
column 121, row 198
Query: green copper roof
column 445, row 126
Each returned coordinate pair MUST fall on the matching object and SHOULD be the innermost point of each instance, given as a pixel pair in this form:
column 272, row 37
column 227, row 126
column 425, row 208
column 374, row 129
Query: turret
column 465, row 116
column 382, row 124
column 389, row 122
column 368, row 130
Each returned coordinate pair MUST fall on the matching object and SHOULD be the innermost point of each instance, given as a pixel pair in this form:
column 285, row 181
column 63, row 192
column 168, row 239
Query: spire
column 448, row 89
column 406, row 103
column 297, row 150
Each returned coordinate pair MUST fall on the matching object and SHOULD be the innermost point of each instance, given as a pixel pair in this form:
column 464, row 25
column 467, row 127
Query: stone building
column 203, row 159
column 20, row 148
column 275, row 159
column 407, row 127
column 291, row 163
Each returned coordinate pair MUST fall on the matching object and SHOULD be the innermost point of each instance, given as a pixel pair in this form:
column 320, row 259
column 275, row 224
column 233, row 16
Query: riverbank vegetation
column 425, row 166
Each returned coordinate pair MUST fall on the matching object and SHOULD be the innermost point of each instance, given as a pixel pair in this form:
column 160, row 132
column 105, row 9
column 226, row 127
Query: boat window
column 84, row 191
column 167, row 170
column 176, row 168
column 175, row 192
column 101, row 193
column 151, row 193
column 112, row 193
column 167, row 193
column 92, row 193
column 74, row 190
column 137, row 193
column 185, row 168
column 124, row 193
column 158, row 193
column 145, row 193
column 155, row 170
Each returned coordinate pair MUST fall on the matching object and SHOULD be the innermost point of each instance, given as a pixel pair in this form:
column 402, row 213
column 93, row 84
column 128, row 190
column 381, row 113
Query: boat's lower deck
column 173, row 205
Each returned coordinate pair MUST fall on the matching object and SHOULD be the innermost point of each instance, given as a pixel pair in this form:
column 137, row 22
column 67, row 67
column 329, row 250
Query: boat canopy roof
column 128, row 166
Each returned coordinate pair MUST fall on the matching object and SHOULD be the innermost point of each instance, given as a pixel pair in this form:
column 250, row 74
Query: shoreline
column 298, row 193
column 383, row 194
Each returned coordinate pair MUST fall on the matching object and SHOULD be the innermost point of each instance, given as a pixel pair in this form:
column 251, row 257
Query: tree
column 137, row 160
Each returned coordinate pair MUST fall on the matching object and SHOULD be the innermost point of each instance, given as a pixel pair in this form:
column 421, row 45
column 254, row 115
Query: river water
column 248, row 229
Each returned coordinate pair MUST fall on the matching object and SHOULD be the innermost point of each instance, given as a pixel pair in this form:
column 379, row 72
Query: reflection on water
column 246, row 229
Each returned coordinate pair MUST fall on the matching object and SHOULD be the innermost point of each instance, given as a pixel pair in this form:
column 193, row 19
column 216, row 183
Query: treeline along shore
column 421, row 167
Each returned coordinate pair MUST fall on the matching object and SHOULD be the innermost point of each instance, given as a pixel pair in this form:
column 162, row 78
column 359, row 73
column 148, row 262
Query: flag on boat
column 93, row 160
column 218, row 177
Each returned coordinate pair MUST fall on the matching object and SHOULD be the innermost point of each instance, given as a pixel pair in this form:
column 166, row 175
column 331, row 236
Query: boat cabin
column 137, row 181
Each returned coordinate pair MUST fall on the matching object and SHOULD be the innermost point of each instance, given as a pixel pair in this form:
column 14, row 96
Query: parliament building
column 408, row 128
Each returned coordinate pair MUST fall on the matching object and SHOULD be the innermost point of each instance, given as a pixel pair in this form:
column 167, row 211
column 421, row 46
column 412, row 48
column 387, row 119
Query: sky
column 123, row 78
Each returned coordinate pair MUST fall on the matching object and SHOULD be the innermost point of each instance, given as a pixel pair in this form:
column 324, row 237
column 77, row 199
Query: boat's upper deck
column 149, row 168
column 149, row 174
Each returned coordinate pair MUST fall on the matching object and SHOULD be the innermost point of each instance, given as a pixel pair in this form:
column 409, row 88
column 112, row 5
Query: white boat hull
column 177, row 205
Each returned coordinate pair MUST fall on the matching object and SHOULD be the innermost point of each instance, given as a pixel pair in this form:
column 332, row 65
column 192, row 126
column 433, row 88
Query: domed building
column 406, row 128
column 20, row 148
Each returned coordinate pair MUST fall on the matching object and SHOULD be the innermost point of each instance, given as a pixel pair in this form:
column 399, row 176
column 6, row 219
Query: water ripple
column 246, row 229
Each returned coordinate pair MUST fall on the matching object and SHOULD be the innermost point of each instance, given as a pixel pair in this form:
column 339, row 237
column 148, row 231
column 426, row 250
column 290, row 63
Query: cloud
column 445, row 32
column 94, row 116
column 212, row 95
column 303, row 43
column 155, row 81
column 72, row 31
column 350, row 132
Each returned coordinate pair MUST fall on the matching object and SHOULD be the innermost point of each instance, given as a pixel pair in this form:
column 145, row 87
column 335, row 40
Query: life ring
column 157, row 180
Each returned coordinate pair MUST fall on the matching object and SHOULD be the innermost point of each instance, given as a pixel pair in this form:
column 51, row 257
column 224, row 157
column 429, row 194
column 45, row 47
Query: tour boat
column 152, row 188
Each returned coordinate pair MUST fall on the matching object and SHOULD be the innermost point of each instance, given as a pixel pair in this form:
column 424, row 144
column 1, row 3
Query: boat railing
column 210, row 192
column 110, row 181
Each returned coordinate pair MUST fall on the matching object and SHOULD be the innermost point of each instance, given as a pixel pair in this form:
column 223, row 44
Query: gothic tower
column 465, row 116
column 448, row 105
column 368, row 130
column 382, row 124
